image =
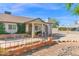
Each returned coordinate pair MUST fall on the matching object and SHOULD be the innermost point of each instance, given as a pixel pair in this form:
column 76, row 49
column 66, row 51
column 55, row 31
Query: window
column 14, row 26
column 11, row 27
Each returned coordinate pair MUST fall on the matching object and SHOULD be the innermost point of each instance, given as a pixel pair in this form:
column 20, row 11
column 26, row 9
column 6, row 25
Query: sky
column 40, row 10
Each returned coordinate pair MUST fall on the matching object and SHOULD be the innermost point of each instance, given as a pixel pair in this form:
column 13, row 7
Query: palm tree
column 74, row 8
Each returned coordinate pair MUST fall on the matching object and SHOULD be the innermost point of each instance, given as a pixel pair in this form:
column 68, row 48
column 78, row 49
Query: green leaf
column 76, row 10
column 68, row 6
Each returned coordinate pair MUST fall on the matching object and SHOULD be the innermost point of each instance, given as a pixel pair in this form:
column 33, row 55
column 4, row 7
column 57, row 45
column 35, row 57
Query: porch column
column 33, row 30
column 27, row 29
column 42, row 29
column 49, row 29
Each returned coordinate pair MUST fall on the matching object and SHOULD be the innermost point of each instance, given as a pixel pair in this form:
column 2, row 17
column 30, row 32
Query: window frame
column 11, row 27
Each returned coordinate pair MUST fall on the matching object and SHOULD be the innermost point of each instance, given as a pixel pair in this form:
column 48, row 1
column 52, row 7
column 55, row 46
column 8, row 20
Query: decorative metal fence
column 12, row 44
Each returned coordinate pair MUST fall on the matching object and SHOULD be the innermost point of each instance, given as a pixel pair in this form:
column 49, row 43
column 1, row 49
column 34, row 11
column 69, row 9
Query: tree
column 74, row 8
column 2, row 28
column 54, row 21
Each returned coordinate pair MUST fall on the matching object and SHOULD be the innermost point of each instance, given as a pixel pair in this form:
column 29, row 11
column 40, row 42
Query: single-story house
column 71, row 27
column 31, row 25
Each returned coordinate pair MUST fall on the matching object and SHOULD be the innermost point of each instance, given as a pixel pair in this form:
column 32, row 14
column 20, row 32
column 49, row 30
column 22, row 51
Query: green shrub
column 63, row 29
column 2, row 29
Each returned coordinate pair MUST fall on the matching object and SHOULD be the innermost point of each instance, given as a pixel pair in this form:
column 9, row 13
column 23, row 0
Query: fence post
column 50, row 40
column 0, row 48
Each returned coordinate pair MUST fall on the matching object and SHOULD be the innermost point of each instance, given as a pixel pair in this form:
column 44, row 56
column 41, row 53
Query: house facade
column 32, row 25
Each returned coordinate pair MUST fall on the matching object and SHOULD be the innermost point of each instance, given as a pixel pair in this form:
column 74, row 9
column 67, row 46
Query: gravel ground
column 61, row 49
column 64, row 48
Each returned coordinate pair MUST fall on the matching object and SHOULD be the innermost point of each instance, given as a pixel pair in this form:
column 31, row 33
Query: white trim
column 10, row 30
column 27, row 27
column 42, row 29
column 33, row 30
column 49, row 29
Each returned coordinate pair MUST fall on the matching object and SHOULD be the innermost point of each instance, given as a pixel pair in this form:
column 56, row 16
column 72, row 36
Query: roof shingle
column 15, row 19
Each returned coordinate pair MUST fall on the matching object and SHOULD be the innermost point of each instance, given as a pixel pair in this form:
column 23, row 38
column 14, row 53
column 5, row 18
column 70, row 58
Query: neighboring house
column 31, row 25
column 72, row 27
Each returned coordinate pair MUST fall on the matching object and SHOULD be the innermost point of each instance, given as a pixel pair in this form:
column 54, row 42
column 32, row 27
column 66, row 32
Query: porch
column 37, row 29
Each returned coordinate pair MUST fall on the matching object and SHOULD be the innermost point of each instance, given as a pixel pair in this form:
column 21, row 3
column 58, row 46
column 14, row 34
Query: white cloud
column 39, row 5
column 66, row 17
column 19, row 7
column 8, row 7
column 49, row 6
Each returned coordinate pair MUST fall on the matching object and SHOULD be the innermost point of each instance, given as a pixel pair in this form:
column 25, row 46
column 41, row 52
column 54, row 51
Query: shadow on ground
column 34, row 50
column 58, row 35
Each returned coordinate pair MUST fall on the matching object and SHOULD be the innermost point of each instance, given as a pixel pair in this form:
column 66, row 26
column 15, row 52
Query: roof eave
column 34, row 20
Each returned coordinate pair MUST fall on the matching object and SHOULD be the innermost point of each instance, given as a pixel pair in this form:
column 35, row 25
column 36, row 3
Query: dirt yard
column 61, row 49
column 64, row 48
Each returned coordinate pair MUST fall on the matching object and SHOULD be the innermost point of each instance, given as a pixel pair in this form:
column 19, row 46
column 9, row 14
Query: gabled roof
column 18, row 19
column 36, row 19
column 14, row 19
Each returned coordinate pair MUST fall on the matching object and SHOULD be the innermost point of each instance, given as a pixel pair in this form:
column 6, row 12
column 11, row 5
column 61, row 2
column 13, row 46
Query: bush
column 63, row 29
column 2, row 29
